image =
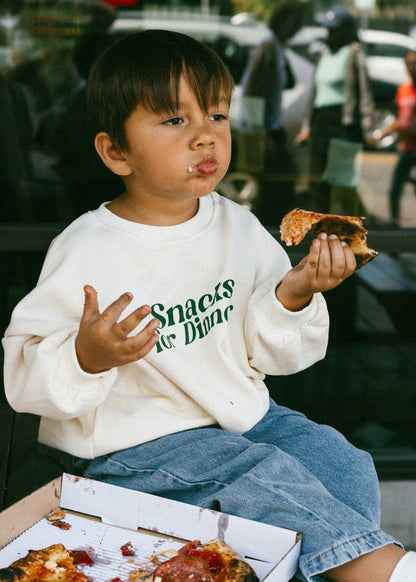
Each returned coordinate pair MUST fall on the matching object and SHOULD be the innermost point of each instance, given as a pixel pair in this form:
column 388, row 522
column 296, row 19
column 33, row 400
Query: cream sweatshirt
column 210, row 281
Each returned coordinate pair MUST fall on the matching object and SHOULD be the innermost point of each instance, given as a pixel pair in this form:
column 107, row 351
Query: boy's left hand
column 329, row 262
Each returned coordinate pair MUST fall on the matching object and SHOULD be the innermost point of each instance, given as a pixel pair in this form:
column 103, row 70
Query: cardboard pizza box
column 102, row 517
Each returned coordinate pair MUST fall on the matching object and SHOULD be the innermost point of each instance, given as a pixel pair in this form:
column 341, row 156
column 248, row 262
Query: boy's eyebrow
column 212, row 103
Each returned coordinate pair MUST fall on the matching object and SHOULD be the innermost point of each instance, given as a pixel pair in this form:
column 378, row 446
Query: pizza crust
column 297, row 223
column 238, row 570
column 185, row 567
column 52, row 564
column 13, row 574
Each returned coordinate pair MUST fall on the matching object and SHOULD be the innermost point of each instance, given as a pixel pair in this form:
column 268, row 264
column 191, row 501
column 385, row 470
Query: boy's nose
column 202, row 137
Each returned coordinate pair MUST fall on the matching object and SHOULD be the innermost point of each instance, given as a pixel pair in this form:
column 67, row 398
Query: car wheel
column 239, row 187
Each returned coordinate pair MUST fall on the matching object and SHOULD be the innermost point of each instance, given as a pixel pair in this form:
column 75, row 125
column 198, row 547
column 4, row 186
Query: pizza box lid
column 275, row 549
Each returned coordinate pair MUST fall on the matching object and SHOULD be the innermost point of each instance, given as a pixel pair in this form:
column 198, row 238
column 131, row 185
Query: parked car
column 385, row 50
column 233, row 42
column 234, row 39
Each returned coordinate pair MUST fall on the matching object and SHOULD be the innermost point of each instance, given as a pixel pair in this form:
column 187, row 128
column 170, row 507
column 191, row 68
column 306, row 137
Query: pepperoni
column 127, row 549
column 213, row 559
column 183, row 569
column 192, row 564
column 81, row 558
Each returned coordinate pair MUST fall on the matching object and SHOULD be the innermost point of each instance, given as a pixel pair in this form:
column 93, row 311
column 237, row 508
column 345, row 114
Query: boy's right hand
column 102, row 342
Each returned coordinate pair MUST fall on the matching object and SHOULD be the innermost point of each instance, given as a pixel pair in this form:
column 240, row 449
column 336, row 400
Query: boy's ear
column 112, row 157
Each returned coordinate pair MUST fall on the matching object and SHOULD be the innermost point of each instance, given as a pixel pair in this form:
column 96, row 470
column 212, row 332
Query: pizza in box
column 214, row 561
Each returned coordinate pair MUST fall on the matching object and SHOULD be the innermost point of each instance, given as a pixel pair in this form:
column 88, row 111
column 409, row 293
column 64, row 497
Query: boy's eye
column 219, row 117
column 173, row 121
column 179, row 120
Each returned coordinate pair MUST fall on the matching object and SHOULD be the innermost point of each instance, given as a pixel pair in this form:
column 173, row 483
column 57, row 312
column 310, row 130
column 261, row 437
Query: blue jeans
column 286, row 471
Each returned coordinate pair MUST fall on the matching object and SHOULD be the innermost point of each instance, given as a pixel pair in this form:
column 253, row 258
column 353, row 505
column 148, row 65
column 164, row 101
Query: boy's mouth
column 206, row 167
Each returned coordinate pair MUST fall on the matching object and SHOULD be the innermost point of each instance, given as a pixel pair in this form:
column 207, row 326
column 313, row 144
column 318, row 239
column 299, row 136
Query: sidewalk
column 398, row 511
column 374, row 182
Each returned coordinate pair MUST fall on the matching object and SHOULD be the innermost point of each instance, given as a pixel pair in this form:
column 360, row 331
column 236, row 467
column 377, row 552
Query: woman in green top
column 341, row 104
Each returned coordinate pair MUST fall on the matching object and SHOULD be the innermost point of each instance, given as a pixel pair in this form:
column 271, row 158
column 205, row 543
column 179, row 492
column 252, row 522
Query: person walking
column 341, row 101
column 405, row 125
column 267, row 76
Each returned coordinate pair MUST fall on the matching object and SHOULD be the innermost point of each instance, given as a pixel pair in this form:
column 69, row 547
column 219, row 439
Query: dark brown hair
column 145, row 68
column 287, row 17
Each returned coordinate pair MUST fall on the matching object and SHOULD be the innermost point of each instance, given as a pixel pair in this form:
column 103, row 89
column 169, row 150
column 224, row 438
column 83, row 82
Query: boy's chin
column 200, row 190
column 198, row 195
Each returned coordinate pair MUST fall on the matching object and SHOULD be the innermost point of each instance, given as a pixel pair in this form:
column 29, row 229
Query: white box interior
column 273, row 552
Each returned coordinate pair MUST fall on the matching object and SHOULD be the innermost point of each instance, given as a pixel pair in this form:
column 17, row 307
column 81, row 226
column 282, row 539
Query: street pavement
column 374, row 181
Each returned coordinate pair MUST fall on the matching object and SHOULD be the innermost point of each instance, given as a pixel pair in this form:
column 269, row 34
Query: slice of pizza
column 297, row 223
column 214, row 561
column 52, row 564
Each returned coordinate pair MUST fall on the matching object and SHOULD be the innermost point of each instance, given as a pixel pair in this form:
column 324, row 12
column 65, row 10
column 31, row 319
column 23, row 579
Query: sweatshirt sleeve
column 42, row 376
column 41, row 371
column 282, row 342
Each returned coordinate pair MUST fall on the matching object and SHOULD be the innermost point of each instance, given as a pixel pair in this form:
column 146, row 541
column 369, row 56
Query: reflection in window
column 49, row 173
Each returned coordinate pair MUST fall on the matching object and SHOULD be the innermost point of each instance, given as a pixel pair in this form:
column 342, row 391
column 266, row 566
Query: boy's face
column 177, row 157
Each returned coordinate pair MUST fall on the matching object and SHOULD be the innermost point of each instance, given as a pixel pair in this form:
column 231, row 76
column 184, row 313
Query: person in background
column 341, row 101
column 168, row 397
column 405, row 125
column 268, row 75
column 86, row 181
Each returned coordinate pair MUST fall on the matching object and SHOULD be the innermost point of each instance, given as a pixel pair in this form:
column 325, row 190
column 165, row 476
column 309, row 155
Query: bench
column 394, row 286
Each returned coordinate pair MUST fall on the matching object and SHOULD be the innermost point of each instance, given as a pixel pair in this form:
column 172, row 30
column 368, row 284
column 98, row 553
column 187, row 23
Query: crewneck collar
column 160, row 234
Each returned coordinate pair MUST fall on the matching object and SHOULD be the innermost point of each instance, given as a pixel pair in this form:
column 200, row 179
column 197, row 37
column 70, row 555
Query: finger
column 112, row 313
column 338, row 256
column 343, row 258
column 140, row 345
column 324, row 264
column 312, row 260
column 147, row 347
column 130, row 322
column 91, row 310
column 350, row 260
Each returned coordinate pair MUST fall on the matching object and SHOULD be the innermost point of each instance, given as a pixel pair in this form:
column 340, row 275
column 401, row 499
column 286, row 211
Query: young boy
column 405, row 124
column 156, row 383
